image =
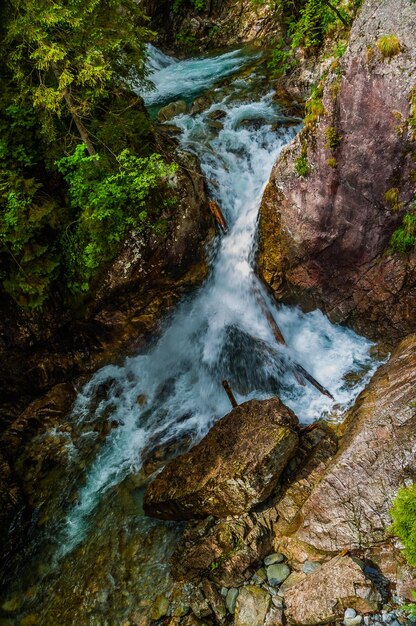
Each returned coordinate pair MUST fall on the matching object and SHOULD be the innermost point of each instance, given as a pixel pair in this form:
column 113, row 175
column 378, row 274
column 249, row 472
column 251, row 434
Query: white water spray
column 220, row 332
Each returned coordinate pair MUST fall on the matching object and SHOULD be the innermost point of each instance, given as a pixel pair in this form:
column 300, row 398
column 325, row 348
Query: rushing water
column 173, row 392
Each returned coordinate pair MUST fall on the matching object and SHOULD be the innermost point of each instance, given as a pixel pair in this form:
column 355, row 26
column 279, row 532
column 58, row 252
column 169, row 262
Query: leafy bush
column 106, row 205
column 403, row 513
column 302, row 165
column 389, row 46
column 404, row 238
column 332, row 139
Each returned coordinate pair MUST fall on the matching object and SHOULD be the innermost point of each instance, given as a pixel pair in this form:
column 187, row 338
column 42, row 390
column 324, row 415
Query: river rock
column 171, row 110
column 231, row 599
column 323, row 595
column 235, row 467
column 225, row 551
column 324, row 237
column 349, row 507
column 277, row 573
column 252, row 606
column 271, row 559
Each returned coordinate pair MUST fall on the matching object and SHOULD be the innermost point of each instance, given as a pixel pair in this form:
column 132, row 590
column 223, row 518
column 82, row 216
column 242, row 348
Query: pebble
column 350, row 613
column 231, row 599
column 277, row 602
column 367, row 620
column 277, row 573
column 353, row 621
column 309, row 567
column 277, row 557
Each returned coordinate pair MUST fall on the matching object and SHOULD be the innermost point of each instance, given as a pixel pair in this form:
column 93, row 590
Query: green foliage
column 314, row 106
column 302, row 165
column 66, row 56
column 389, row 46
column 198, row 5
column 403, row 513
column 106, row 205
column 307, row 24
column 332, row 162
column 404, row 238
column 332, row 139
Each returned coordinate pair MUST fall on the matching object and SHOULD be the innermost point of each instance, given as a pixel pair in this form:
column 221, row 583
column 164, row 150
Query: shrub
column 389, row 46
column 302, row 165
column 332, row 139
column 332, row 162
column 108, row 205
column 404, row 238
column 403, row 513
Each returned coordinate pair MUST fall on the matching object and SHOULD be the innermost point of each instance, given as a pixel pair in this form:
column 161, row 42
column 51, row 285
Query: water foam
column 220, row 332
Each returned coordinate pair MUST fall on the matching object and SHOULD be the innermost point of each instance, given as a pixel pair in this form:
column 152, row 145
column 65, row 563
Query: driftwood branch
column 229, row 393
column 219, row 217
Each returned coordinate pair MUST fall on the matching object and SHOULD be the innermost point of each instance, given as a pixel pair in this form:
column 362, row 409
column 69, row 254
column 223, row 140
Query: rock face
column 324, row 236
column 216, row 24
column 349, row 508
column 323, row 596
column 233, row 468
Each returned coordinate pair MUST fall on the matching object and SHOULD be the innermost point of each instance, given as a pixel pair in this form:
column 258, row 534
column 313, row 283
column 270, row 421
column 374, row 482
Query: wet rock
column 218, row 114
column 274, row 617
column 349, row 507
column 223, row 475
column 323, row 595
column 277, row 573
column 160, row 608
column 215, row 600
column 171, row 110
column 309, row 567
column 252, row 606
column 277, row 557
column 227, row 552
column 231, row 600
column 315, row 246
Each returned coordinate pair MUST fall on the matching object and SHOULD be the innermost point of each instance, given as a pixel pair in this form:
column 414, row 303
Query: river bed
column 92, row 557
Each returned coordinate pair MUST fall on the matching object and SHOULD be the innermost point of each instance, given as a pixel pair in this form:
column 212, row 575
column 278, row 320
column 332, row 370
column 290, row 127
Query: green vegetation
column 199, row 5
column 302, row 165
column 389, row 46
column 391, row 197
column 307, row 24
column 332, row 139
column 404, row 238
column 77, row 162
column 314, row 106
column 108, row 205
column 332, row 162
column 403, row 513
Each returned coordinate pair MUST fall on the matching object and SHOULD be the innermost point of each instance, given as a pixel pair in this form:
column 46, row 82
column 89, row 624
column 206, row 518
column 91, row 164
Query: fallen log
column 269, row 317
column 229, row 393
column 219, row 217
column 298, row 371
column 301, row 370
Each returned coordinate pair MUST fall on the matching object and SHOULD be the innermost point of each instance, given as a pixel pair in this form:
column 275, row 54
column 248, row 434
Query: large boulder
column 322, row 597
column 234, row 467
column 252, row 606
column 324, row 236
column 349, row 508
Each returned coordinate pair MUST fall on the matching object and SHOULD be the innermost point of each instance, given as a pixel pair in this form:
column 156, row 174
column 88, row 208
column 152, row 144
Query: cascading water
column 172, row 394
column 220, row 333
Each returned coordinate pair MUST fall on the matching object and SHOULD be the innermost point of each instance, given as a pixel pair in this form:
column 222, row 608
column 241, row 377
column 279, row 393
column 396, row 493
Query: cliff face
column 181, row 26
column 324, row 236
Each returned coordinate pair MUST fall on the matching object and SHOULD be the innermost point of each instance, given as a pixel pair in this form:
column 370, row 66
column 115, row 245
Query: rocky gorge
column 286, row 498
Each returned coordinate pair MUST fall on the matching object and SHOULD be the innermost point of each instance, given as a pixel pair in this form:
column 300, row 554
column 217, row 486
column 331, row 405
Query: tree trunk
column 83, row 133
column 338, row 13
